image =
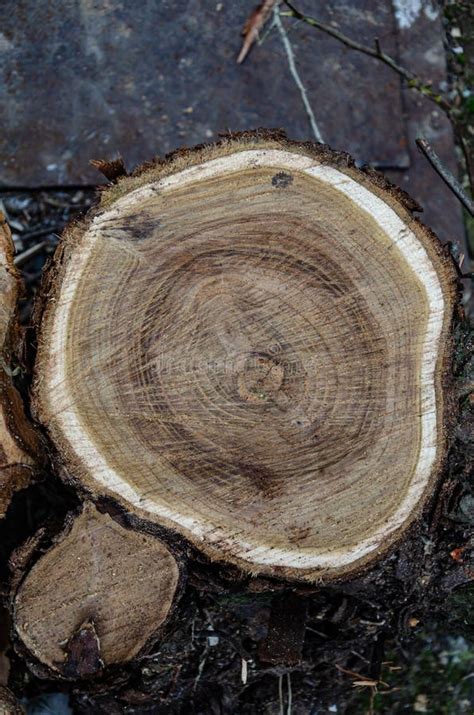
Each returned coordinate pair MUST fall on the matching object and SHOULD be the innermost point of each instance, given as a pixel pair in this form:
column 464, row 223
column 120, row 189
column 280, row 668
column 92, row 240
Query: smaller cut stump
column 98, row 597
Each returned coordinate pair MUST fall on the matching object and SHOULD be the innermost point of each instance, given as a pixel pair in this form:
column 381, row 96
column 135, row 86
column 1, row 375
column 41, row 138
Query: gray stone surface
column 421, row 47
column 88, row 79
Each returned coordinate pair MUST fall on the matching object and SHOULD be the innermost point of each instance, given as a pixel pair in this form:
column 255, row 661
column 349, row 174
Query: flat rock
column 144, row 78
column 84, row 79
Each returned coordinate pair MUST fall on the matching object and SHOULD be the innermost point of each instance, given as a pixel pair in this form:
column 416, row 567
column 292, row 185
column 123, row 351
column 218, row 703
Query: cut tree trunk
column 97, row 598
column 245, row 371
column 250, row 345
column 18, row 443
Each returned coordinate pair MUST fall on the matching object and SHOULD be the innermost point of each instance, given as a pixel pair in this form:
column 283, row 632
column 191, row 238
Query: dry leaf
column 254, row 23
column 456, row 554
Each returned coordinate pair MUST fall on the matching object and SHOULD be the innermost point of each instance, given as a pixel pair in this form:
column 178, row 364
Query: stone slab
column 89, row 79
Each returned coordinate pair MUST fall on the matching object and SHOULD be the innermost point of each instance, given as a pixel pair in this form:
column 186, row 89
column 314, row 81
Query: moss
column 436, row 680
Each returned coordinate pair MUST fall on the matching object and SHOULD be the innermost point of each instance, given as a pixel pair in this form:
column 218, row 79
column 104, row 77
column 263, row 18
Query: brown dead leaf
column 456, row 554
column 254, row 23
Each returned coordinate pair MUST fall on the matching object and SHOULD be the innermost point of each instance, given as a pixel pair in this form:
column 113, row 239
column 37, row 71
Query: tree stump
column 245, row 370
column 250, row 345
column 96, row 598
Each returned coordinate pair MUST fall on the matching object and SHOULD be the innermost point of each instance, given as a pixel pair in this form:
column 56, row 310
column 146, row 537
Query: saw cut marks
column 96, row 598
column 248, row 345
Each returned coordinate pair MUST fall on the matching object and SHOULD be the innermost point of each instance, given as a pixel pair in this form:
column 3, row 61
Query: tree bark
column 9, row 704
column 18, row 442
column 245, row 370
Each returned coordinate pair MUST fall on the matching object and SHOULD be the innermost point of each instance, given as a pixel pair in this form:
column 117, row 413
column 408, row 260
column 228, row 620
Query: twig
column 445, row 174
column 244, row 671
column 294, row 73
column 39, row 233
column 290, row 694
column 25, row 256
column 280, row 693
column 202, row 663
column 412, row 79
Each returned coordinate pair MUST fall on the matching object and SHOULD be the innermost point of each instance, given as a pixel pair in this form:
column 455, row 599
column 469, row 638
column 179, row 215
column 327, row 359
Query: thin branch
column 290, row 694
column 39, row 233
column 280, row 694
column 294, row 73
column 413, row 81
column 446, row 175
column 25, row 256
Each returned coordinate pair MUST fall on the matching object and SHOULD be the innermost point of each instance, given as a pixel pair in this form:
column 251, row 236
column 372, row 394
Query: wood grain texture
column 249, row 344
column 96, row 598
column 17, row 440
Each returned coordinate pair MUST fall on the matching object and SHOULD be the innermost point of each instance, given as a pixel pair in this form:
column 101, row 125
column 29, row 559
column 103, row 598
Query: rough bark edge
column 9, row 705
column 24, row 442
column 70, row 469
column 25, row 558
